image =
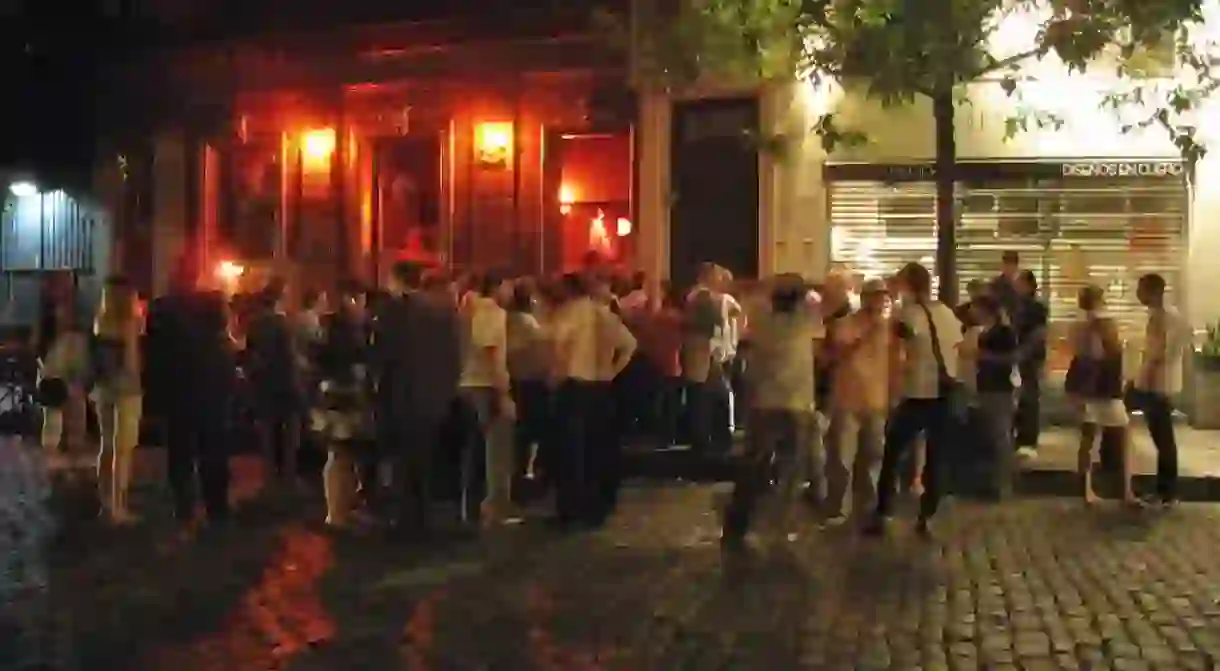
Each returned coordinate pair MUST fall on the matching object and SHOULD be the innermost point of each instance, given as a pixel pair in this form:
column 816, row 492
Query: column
column 170, row 214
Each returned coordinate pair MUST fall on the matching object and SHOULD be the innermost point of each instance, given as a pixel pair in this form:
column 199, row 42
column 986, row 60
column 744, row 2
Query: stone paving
column 1032, row 584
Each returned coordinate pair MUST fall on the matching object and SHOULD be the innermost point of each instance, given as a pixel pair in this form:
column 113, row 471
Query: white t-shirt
column 724, row 343
column 1168, row 379
column 781, row 370
column 488, row 329
column 574, row 330
column 921, row 375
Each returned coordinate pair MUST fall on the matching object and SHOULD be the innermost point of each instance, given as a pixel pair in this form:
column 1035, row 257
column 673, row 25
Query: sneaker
column 1027, row 453
column 835, row 521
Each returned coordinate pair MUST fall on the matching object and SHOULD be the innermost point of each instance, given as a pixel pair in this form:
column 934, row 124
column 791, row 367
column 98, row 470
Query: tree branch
column 1007, row 62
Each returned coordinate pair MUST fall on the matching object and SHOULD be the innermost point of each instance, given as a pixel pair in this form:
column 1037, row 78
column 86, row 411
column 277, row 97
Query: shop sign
column 1123, row 169
column 985, row 171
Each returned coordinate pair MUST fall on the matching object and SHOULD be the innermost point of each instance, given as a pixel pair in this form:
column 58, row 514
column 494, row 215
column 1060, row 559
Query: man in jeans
column 1159, row 378
column 930, row 335
column 782, row 421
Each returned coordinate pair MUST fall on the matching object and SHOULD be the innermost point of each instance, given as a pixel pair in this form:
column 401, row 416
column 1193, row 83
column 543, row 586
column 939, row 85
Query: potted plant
column 1207, row 381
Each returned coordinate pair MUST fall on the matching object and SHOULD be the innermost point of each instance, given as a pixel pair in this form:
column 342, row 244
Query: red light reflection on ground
column 276, row 620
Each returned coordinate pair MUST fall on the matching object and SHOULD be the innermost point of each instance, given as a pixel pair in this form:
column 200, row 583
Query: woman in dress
column 1095, row 381
column 343, row 418
column 117, row 395
column 63, row 371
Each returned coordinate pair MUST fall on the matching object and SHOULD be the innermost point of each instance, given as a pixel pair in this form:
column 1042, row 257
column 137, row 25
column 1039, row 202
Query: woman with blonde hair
column 1095, row 382
column 117, row 394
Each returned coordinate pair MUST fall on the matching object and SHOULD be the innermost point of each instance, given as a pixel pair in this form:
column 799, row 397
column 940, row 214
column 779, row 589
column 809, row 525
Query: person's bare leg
column 1124, row 441
column 1084, row 462
column 920, row 455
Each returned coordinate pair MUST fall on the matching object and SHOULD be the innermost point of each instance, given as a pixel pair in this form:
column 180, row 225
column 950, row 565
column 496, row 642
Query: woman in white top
column 486, row 389
column 66, row 360
column 117, row 394
column 1095, row 381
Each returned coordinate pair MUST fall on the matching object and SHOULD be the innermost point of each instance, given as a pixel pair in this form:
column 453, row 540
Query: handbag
column 949, row 388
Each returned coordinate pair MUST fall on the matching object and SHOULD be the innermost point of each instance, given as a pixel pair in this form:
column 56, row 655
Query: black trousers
column 708, row 407
column 587, row 455
column 1028, row 424
column 533, row 426
column 197, row 445
column 912, row 417
column 606, row 456
column 410, row 442
column 1158, row 414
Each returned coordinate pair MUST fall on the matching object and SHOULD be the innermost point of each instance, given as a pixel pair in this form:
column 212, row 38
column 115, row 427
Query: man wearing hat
column 858, row 403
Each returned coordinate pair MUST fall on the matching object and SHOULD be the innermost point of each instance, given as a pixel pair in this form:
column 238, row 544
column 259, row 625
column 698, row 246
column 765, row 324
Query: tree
column 899, row 50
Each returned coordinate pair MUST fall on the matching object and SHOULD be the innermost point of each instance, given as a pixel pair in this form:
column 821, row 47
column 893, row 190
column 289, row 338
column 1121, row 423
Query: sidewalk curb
column 682, row 465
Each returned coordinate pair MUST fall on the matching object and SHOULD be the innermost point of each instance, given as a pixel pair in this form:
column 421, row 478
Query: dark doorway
column 714, row 216
column 408, row 199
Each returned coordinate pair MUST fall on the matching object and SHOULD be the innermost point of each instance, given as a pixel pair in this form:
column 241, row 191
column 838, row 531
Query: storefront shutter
column 876, row 227
column 1075, row 232
column 1070, row 232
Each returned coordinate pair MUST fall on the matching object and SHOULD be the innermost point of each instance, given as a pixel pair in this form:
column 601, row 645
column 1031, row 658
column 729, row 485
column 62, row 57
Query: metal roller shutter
column 876, row 228
column 1069, row 232
column 1075, row 232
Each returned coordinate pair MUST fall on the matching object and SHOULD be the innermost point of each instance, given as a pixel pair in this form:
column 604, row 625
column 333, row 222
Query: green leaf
column 899, row 50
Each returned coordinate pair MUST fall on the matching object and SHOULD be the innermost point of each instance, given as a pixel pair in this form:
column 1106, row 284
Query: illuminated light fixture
column 23, row 189
column 493, row 144
column 623, row 227
column 318, row 144
column 229, row 271
column 566, row 198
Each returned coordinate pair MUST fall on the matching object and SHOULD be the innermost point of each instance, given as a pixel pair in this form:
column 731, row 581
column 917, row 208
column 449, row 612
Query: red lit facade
column 329, row 155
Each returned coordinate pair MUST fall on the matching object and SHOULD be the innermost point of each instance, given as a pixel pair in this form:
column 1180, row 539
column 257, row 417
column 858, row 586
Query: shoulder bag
column 949, row 388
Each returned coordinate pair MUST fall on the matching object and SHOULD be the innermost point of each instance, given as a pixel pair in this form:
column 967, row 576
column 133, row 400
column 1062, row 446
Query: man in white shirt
column 782, row 422
column 703, row 365
column 589, row 350
column 725, row 344
column 929, row 333
column 485, row 389
column 1166, row 337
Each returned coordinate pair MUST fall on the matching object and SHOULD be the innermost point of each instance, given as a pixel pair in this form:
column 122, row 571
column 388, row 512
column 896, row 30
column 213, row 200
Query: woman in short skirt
column 342, row 414
column 1095, row 381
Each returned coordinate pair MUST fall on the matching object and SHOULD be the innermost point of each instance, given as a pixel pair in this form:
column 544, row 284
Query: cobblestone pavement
column 1033, row 584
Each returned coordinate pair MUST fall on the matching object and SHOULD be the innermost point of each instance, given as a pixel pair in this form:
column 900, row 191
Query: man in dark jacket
column 191, row 373
column 416, row 358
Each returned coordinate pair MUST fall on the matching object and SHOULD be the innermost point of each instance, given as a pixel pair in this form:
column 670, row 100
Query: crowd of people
column 845, row 389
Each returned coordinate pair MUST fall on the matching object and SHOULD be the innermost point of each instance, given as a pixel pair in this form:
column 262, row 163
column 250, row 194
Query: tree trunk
column 946, row 177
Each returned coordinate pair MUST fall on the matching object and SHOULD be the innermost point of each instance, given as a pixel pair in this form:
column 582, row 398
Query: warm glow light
column 318, row 144
column 566, row 197
column 229, row 271
column 23, row 189
column 599, row 237
column 623, row 227
column 493, row 143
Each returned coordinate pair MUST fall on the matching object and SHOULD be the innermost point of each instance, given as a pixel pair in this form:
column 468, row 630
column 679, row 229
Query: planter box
column 1206, row 413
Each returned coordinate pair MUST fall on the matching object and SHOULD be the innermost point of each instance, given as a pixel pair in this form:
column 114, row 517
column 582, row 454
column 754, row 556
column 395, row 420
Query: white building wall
column 794, row 233
column 906, row 134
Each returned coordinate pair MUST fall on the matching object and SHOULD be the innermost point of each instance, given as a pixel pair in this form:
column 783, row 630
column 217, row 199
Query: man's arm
column 1156, row 350
column 625, row 344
